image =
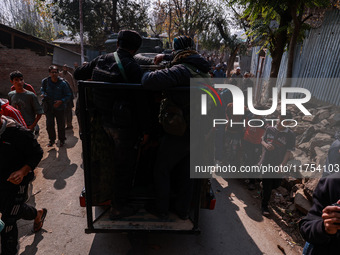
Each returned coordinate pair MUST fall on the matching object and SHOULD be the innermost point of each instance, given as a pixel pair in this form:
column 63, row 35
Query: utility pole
column 170, row 19
column 81, row 32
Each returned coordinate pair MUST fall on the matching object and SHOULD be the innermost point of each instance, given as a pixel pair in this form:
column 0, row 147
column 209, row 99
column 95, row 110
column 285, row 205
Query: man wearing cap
column 236, row 78
column 127, row 45
column 237, row 74
column 218, row 72
column 117, row 114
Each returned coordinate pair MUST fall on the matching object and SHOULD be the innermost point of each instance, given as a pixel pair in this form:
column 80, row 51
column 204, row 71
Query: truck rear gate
column 98, row 213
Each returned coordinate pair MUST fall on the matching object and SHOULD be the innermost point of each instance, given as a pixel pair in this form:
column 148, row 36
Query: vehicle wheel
column 145, row 58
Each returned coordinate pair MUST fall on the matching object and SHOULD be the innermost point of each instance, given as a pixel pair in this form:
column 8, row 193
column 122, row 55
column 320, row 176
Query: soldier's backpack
column 105, row 71
column 174, row 119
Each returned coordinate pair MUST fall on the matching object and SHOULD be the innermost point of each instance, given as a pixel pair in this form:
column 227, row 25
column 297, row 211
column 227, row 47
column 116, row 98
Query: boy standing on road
column 25, row 101
column 20, row 153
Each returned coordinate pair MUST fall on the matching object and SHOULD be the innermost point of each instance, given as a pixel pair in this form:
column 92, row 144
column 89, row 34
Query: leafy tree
column 217, row 34
column 190, row 16
column 276, row 24
column 132, row 15
column 231, row 42
column 101, row 17
column 269, row 22
column 211, row 39
column 180, row 17
column 161, row 19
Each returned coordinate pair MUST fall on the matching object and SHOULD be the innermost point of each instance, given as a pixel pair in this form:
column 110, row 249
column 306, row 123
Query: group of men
column 57, row 97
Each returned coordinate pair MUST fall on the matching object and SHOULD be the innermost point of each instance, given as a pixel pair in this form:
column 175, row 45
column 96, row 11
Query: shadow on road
column 33, row 248
column 71, row 138
column 252, row 209
column 56, row 166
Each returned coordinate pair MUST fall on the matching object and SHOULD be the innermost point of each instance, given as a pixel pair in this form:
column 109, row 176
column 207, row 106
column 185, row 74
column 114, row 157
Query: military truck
column 99, row 172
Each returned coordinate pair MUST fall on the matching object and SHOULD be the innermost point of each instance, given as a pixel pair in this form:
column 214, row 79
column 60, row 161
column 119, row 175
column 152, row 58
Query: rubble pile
column 314, row 135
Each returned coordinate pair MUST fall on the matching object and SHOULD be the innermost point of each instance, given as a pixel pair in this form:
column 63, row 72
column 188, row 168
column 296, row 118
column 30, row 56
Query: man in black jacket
column 322, row 224
column 116, row 113
column 19, row 155
column 127, row 45
column 172, row 163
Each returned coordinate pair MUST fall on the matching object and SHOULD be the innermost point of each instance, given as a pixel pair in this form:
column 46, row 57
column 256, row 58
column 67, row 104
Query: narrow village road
column 235, row 227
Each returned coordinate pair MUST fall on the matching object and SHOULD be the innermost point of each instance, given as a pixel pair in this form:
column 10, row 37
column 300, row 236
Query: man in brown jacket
column 66, row 75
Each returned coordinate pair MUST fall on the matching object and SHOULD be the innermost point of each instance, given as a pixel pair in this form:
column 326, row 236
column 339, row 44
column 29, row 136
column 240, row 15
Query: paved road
column 234, row 227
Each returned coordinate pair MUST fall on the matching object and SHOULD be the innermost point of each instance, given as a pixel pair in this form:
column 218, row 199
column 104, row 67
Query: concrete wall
column 62, row 56
column 33, row 67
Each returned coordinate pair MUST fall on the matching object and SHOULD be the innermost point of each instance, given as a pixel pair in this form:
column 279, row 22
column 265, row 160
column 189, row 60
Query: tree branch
column 305, row 19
